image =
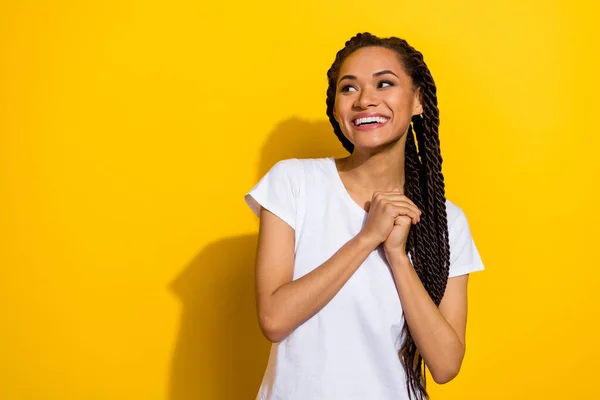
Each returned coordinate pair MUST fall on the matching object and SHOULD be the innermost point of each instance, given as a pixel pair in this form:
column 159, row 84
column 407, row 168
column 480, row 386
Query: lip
column 370, row 126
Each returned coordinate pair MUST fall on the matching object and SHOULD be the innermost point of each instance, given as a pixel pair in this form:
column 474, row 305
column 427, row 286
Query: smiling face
column 375, row 98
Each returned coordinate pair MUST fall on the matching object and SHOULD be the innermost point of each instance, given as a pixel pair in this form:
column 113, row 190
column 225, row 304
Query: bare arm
column 438, row 333
column 283, row 304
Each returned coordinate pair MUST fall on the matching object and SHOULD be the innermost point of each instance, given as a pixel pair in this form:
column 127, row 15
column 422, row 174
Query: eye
column 347, row 88
column 384, row 84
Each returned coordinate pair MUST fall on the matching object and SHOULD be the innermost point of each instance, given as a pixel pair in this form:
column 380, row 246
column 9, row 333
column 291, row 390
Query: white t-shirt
column 349, row 349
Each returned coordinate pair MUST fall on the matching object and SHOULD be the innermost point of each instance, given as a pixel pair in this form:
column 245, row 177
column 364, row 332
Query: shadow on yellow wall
column 220, row 352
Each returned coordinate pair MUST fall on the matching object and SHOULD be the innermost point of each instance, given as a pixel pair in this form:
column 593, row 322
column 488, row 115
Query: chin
column 374, row 143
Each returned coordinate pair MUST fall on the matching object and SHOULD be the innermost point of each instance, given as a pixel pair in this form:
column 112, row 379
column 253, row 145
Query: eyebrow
column 376, row 74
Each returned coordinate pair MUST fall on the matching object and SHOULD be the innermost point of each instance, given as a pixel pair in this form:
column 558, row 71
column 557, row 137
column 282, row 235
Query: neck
column 381, row 171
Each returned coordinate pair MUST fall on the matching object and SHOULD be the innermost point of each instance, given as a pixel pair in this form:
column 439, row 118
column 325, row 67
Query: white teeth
column 366, row 120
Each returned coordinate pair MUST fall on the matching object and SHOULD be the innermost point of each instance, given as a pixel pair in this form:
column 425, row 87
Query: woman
column 362, row 263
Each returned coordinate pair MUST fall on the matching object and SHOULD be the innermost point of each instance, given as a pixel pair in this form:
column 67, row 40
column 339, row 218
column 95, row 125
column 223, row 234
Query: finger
column 403, row 210
column 397, row 196
column 409, row 212
column 406, row 204
column 402, row 220
column 392, row 193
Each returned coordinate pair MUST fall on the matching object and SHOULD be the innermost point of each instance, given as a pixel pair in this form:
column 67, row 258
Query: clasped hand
column 389, row 219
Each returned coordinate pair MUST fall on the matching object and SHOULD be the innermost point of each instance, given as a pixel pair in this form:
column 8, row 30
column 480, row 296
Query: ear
column 417, row 105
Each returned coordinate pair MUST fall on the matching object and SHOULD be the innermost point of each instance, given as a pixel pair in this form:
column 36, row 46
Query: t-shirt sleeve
column 278, row 191
column 464, row 257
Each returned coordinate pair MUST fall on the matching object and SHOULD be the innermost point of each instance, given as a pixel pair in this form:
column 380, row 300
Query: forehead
column 369, row 60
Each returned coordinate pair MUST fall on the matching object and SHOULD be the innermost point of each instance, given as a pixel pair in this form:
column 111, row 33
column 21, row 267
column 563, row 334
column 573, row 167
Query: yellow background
column 130, row 130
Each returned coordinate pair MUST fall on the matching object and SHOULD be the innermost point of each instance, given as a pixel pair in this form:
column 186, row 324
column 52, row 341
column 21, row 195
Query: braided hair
column 427, row 241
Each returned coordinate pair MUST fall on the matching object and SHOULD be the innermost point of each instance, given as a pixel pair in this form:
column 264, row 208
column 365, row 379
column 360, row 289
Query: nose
column 367, row 98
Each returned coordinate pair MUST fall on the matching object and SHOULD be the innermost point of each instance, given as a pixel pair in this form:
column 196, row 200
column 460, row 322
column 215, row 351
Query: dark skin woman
column 382, row 105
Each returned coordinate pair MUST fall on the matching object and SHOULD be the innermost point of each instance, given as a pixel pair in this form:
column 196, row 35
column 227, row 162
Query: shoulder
column 299, row 166
column 288, row 169
column 454, row 213
column 464, row 257
column 458, row 223
column 302, row 162
column 286, row 165
column 459, row 232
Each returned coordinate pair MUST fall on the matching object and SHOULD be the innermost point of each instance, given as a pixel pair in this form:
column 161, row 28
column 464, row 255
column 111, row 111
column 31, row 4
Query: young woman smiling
column 362, row 262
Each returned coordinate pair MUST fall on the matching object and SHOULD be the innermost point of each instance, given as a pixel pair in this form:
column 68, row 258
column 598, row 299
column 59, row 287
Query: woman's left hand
column 395, row 244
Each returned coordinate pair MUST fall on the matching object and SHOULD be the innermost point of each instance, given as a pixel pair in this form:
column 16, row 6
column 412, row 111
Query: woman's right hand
column 384, row 209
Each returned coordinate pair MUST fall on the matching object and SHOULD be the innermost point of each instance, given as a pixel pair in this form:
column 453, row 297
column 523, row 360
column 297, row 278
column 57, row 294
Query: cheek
column 340, row 109
column 401, row 106
column 339, row 103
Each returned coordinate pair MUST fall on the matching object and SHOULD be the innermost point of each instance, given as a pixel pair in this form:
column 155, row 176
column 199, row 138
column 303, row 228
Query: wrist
column 367, row 241
column 398, row 258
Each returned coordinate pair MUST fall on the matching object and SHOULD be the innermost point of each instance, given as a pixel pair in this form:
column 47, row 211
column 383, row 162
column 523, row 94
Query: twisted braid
column 427, row 242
